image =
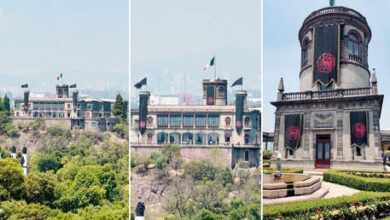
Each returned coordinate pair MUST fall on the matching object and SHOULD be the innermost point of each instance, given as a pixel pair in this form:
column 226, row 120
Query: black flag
column 237, row 82
column 240, row 98
column 326, row 54
column 210, row 95
column 73, row 86
column 143, row 113
column 141, row 83
column 24, row 85
column 359, row 129
column 292, row 130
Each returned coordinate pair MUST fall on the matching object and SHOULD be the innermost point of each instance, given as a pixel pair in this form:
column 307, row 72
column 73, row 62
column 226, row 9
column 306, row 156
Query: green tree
column 200, row 170
column 171, row 151
column 50, row 161
column 22, row 210
column 4, row 120
column 12, row 177
column 40, row 188
column 119, row 108
column 6, row 104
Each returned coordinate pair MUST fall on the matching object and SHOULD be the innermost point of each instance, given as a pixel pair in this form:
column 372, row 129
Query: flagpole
column 215, row 67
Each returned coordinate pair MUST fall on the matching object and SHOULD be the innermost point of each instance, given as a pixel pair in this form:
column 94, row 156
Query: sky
column 282, row 53
column 172, row 40
column 86, row 40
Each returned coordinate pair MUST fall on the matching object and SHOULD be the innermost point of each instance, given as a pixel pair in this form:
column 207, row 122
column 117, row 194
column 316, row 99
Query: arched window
column 188, row 138
column 227, row 138
column 162, row 137
column 227, row 121
column 150, row 138
column 305, row 49
column 213, row 139
column 200, row 137
column 246, row 121
column 150, row 120
column 353, row 44
column 174, row 138
column 246, row 137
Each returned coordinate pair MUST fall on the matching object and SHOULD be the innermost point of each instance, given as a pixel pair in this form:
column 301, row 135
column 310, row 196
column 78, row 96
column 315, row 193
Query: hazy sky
column 88, row 40
column 174, row 39
column 282, row 53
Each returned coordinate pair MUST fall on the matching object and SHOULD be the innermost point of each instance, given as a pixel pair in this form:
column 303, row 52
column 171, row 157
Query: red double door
column 323, row 152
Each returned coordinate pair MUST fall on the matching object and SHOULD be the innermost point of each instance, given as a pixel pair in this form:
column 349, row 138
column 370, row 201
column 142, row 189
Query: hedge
column 344, row 206
column 269, row 170
column 357, row 182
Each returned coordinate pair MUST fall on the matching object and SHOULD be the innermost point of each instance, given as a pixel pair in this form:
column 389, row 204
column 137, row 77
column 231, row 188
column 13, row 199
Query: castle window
column 200, row 138
column 17, row 105
column 227, row 121
column 213, row 139
column 221, row 91
column 325, row 88
column 213, row 120
column 246, row 155
column 150, row 120
column 246, row 121
column 150, row 137
column 200, row 120
column 358, row 151
column 305, row 49
column 188, row 120
column 175, row 120
column 353, row 44
column 174, row 138
column 187, row 138
column 162, row 120
column 227, row 138
column 246, row 137
column 162, row 137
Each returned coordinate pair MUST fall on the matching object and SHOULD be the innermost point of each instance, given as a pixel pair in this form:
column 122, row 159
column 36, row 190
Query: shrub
column 171, row 151
column 300, row 210
column 11, row 130
column 200, row 170
column 161, row 162
column 357, row 182
column 267, row 154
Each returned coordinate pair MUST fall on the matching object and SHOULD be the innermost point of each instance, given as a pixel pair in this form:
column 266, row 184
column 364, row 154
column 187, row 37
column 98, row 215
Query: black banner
column 143, row 112
column 210, row 95
column 75, row 96
column 326, row 54
column 359, row 128
column 240, row 98
column 292, row 130
column 26, row 95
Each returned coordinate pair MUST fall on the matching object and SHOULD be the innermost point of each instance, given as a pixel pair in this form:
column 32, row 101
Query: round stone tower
column 354, row 36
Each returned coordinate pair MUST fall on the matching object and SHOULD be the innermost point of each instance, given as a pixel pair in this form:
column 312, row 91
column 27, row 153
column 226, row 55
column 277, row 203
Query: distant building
column 70, row 111
column 197, row 129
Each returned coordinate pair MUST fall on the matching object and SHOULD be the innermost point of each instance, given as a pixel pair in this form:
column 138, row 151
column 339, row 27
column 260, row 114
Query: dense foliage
column 74, row 175
column 202, row 189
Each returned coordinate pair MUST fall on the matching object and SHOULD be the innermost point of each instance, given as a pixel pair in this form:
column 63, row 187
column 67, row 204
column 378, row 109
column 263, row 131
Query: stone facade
column 326, row 113
column 198, row 129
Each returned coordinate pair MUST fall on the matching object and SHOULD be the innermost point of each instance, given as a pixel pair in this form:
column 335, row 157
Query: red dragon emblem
column 359, row 130
column 239, row 124
column 326, row 62
column 142, row 124
column 210, row 100
column 293, row 133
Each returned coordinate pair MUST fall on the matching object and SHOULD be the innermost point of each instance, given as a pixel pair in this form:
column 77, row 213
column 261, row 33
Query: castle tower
column 62, row 91
column 333, row 122
column 351, row 35
column 215, row 92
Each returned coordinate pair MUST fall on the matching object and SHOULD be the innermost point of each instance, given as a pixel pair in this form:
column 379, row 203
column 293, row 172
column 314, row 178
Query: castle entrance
column 322, row 152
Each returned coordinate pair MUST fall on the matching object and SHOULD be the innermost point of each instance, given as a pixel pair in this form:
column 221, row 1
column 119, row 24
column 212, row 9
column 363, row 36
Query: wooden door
column 323, row 152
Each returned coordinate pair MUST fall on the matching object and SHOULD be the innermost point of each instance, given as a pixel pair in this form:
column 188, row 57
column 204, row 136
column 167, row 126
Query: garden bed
column 362, row 180
column 270, row 170
column 359, row 206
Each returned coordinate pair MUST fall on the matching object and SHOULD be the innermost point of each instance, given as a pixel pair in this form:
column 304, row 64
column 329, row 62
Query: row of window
column 190, row 138
column 48, row 114
column 353, row 46
column 187, row 120
column 48, row 105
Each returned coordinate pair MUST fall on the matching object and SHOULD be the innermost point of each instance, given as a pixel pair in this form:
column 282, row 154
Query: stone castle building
column 198, row 129
column 70, row 111
column 333, row 121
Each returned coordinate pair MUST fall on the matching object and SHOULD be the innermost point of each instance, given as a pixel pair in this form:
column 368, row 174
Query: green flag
column 331, row 2
column 212, row 62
